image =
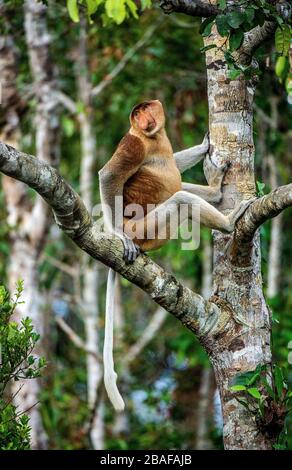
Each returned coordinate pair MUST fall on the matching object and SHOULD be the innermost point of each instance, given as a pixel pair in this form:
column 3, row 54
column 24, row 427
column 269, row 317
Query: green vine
column 264, row 393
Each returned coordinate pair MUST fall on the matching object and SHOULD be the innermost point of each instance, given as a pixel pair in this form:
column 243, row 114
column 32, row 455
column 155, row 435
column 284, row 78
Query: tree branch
column 262, row 210
column 200, row 316
column 75, row 338
column 254, row 38
column 70, row 104
column 125, row 59
column 66, row 101
column 189, row 7
column 149, row 333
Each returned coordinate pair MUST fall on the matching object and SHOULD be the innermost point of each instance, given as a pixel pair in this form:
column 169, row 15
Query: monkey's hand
column 214, row 174
column 131, row 251
column 206, row 143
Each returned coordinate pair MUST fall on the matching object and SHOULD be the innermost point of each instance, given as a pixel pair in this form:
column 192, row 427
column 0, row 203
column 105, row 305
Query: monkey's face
column 148, row 117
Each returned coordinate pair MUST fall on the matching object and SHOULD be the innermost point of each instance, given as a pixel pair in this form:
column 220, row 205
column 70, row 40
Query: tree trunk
column 90, row 290
column 274, row 262
column 202, row 439
column 237, row 269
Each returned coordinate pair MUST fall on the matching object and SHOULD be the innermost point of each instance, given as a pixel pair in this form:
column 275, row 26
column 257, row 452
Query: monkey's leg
column 214, row 175
column 160, row 220
column 210, row 194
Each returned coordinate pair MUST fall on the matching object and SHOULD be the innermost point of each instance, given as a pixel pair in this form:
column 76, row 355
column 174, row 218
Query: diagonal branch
column 66, row 101
column 70, row 104
column 149, row 333
column 189, row 7
column 200, row 316
column 125, row 59
column 75, row 338
column 262, row 210
column 254, row 38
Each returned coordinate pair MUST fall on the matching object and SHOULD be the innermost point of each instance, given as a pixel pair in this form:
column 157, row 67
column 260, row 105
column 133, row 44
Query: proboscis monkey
column 143, row 170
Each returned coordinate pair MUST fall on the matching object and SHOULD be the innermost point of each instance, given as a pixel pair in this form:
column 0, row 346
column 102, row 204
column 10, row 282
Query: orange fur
column 145, row 165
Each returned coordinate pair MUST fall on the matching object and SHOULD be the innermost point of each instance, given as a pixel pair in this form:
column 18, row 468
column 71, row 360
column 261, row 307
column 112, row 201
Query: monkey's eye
column 136, row 113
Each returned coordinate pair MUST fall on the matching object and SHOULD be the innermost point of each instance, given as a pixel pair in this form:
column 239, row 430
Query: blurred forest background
column 71, row 88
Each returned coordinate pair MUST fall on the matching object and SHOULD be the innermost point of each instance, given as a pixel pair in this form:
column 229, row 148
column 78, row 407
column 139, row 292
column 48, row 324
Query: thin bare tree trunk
column 28, row 240
column 269, row 166
column 90, row 290
column 274, row 261
column 202, row 440
column 207, row 267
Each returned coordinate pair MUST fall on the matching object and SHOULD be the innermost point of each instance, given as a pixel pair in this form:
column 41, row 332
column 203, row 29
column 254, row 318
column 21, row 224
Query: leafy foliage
column 115, row 10
column 266, row 395
column 234, row 21
column 17, row 362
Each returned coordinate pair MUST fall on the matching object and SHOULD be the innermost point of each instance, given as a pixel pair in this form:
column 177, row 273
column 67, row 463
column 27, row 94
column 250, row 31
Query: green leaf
column 238, row 388
column 254, row 393
column 235, row 19
column 92, row 6
column 146, row 4
column 254, row 378
column 222, row 25
column 207, row 48
column 279, row 380
column 73, row 10
column 242, row 402
column 132, row 7
column 260, row 188
column 249, row 15
column 206, row 26
column 246, row 377
column 235, row 39
column 68, row 126
column 233, row 74
column 288, row 85
column 222, row 4
column 282, row 39
column 268, row 388
column 282, row 67
column 116, row 9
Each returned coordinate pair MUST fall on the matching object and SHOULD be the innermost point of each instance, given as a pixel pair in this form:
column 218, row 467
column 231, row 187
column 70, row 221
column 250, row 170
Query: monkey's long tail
column 110, row 376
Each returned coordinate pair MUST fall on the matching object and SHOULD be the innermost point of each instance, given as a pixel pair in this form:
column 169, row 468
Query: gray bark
column 237, row 273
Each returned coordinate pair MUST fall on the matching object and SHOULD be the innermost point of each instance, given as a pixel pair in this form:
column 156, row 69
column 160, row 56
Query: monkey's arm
column 190, row 157
column 124, row 163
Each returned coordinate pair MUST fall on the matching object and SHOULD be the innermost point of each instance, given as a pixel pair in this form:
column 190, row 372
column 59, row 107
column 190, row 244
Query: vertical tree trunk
column 202, row 439
column 274, row 262
column 28, row 240
column 90, row 289
column 207, row 268
column 237, row 272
